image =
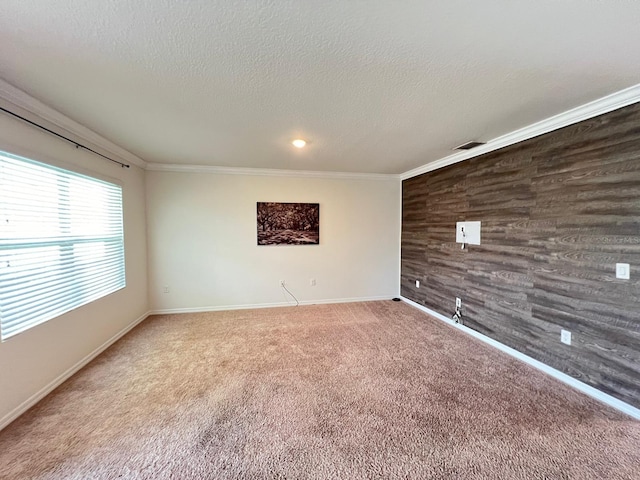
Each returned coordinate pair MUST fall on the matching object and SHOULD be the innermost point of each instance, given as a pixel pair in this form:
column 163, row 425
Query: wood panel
column 558, row 212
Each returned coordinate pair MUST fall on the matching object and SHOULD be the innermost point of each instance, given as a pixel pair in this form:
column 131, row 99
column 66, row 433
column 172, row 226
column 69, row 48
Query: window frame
column 115, row 271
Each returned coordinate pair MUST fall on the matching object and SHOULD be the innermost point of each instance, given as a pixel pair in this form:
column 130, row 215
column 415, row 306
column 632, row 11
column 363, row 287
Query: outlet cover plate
column 622, row 271
column 471, row 232
column 565, row 337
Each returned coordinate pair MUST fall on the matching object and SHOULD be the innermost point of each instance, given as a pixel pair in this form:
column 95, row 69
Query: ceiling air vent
column 469, row 145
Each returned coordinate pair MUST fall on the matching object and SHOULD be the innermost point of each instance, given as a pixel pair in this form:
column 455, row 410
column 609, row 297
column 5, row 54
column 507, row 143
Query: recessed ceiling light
column 299, row 143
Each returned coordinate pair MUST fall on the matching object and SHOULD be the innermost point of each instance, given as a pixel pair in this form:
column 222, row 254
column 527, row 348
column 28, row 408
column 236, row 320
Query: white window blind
column 61, row 242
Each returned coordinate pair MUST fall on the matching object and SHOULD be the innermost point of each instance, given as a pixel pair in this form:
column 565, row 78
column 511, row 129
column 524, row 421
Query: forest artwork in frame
column 288, row 223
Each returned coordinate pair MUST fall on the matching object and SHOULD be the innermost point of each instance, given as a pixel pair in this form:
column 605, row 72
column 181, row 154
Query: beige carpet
column 363, row 390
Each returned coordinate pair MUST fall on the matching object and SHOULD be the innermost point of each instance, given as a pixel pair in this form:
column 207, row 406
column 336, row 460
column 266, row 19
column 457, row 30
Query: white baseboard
column 557, row 374
column 43, row 392
column 218, row 308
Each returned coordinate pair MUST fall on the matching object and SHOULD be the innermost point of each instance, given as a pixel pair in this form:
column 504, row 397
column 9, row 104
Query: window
column 61, row 242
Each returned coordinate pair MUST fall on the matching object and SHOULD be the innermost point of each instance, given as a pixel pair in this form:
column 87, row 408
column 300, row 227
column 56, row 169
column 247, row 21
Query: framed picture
column 288, row 223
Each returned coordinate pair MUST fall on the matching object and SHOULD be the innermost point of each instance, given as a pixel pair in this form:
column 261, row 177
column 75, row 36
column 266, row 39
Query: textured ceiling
column 376, row 86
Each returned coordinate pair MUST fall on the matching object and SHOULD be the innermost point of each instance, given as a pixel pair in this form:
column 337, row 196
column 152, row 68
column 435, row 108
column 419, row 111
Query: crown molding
column 42, row 112
column 267, row 172
column 603, row 105
column 34, row 107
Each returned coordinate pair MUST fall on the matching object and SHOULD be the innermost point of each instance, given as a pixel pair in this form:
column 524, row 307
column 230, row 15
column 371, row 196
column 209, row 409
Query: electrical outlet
column 565, row 337
column 312, row 282
column 282, row 283
column 622, row 271
column 458, row 303
column 417, row 283
column 166, row 289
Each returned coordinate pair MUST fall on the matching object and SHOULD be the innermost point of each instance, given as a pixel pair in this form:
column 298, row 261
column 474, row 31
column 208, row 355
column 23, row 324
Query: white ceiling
column 375, row 86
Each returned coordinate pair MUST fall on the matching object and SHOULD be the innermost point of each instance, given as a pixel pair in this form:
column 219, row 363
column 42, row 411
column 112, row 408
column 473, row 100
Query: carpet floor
column 361, row 390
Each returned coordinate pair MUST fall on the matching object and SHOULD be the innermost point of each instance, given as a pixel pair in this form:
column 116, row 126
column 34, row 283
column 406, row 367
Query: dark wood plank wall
column 558, row 212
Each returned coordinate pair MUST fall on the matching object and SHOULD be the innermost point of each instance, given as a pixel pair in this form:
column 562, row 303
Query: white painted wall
column 32, row 361
column 202, row 241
